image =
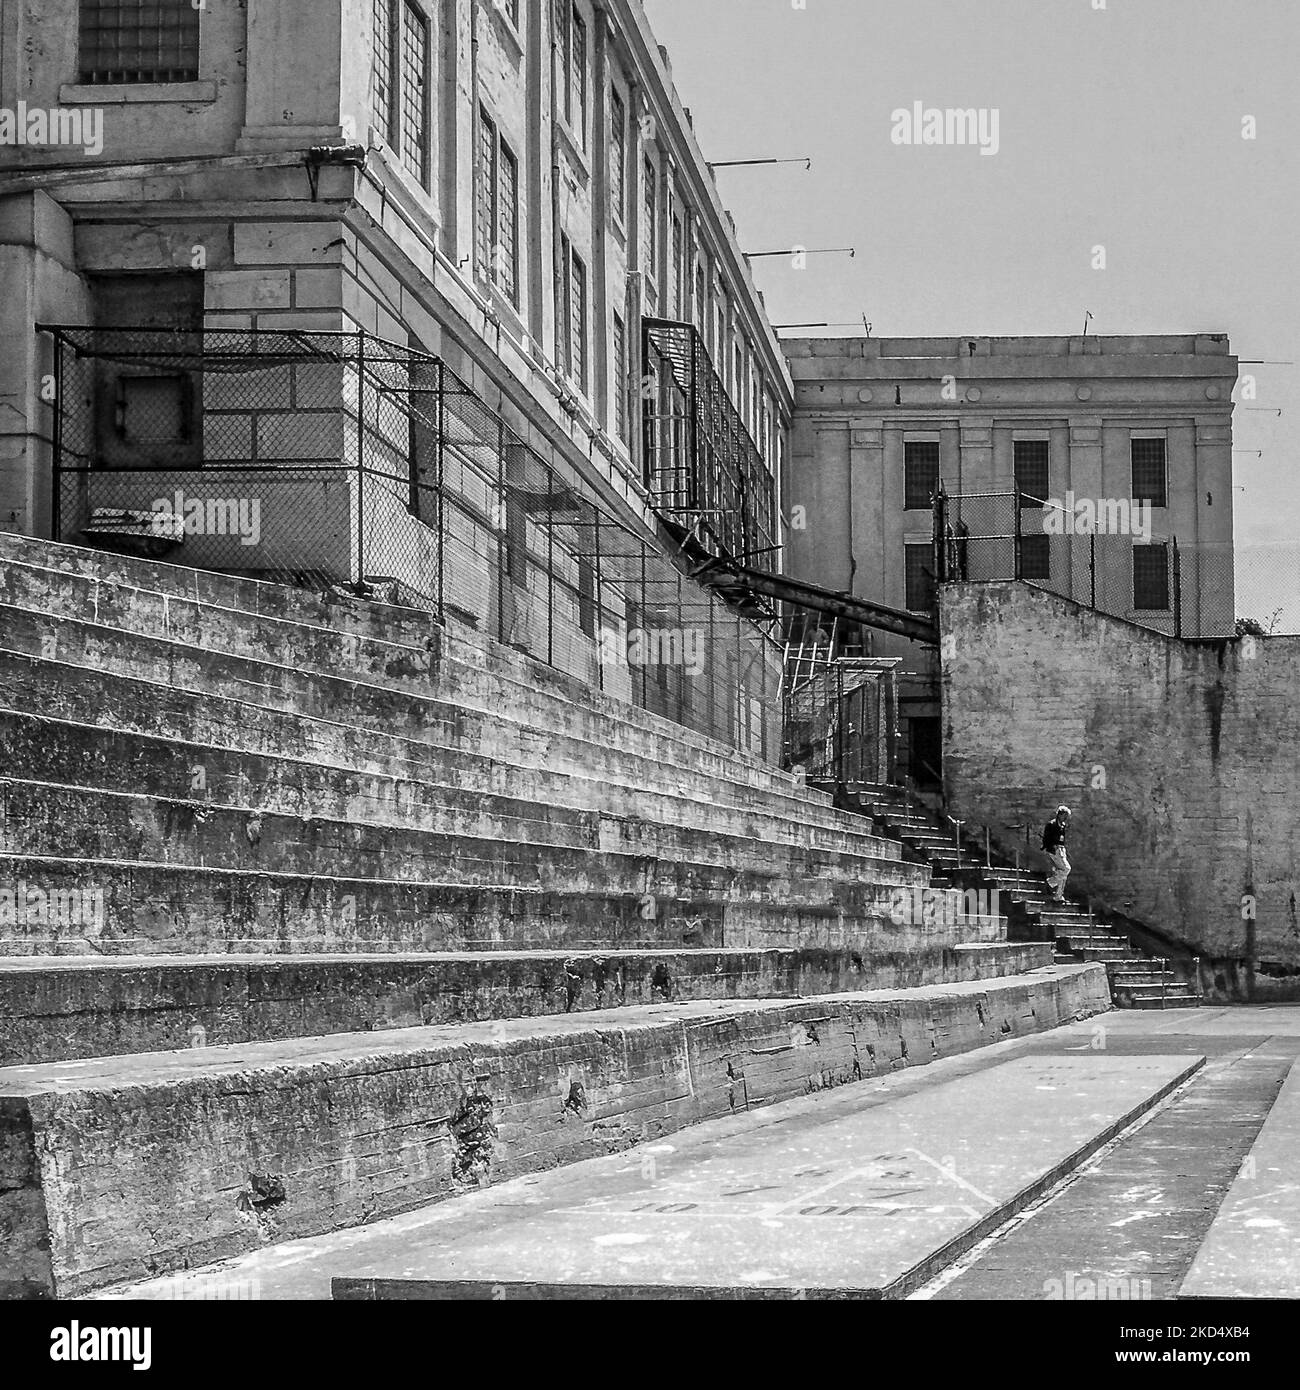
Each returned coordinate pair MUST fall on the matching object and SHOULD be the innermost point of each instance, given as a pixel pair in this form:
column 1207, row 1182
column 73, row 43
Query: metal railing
column 702, row 467
column 1099, row 558
column 343, row 460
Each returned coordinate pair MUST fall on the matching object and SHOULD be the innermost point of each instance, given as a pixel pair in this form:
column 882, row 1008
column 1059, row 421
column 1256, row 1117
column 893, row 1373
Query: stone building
column 881, row 424
column 427, row 242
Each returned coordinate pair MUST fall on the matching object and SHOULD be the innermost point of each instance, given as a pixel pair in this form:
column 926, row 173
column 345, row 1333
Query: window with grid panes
column 578, row 320
column 617, row 155
column 127, row 41
column 650, row 231
column 381, row 72
column 920, row 474
column 571, row 40
column 1149, row 471
column 1151, row 576
column 413, row 135
column 485, row 175
column 506, row 262
column 1036, row 556
column 918, row 577
column 679, row 266
column 620, row 378
column 1031, row 461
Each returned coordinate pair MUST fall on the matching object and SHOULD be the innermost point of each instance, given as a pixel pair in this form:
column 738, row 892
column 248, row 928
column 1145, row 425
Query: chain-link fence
column 841, row 720
column 341, row 460
column 1107, row 559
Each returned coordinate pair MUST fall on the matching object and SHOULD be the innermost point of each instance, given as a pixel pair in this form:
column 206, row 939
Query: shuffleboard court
column 867, row 1204
column 1252, row 1249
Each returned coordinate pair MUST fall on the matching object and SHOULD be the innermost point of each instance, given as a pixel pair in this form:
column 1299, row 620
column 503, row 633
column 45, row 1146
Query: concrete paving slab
column 1252, row 1249
column 867, row 1205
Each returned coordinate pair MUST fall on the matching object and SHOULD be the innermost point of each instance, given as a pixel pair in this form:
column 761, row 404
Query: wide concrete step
column 75, row 754
column 54, row 1010
column 80, row 905
column 419, row 658
column 464, row 748
column 121, row 1168
column 834, row 1202
column 471, row 846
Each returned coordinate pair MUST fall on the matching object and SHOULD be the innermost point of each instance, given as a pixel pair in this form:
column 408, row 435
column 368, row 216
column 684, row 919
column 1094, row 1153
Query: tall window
column 571, row 39
column 650, row 232
column 413, row 137
column 1151, row 576
column 571, row 313
column 1031, row 460
column 919, row 577
column 381, row 73
column 124, row 41
column 679, row 266
column 1149, row 471
column 401, row 83
column 920, row 474
column 578, row 320
column 620, row 378
column 496, row 210
column 617, row 155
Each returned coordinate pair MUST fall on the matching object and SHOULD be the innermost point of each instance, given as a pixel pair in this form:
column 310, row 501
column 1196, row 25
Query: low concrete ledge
column 123, row 1168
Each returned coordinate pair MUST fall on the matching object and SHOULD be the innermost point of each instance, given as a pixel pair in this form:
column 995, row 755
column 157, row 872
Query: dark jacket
column 1054, row 835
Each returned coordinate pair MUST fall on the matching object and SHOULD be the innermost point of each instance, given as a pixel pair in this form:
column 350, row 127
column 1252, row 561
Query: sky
column 1119, row 127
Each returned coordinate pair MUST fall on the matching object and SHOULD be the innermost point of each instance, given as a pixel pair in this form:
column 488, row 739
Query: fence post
column 440, row 504
column 56, row 501
column 1178, row 589
column 550, row 564
column 940, row 536
column 361, row 458
column 1092, row 569
column 1015, row 502
column 598, row 585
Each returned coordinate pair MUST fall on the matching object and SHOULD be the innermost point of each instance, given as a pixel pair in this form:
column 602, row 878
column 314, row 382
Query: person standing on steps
column 1054, row 844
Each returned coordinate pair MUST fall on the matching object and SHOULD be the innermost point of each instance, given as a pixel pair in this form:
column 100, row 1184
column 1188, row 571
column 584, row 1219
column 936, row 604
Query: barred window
column 919, row 576
column 1151, row 576
column 1149, row 472
column 571, row 39
column 1036, row 557
column 920, row 474
column 650, row 232
column 1032, row 470
column 679, row 266
column 578, row 320
column 381, row 72
column 414, row 135
column 507, row 259
column 485, row 184
column 125, row 41
column 617, row 155
column 620, row 378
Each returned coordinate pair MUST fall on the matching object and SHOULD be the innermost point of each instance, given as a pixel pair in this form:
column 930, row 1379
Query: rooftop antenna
column 1087, row 319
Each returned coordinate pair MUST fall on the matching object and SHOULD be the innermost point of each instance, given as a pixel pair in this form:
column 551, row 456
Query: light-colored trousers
column 1060, row 870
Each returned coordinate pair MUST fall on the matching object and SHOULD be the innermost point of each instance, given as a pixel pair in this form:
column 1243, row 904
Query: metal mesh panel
column 339, row 459
column 1100, row 558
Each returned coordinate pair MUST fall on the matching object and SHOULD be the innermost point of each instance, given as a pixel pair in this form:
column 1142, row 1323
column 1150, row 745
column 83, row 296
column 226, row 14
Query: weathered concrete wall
column 1181, row 762
column 140, row 1166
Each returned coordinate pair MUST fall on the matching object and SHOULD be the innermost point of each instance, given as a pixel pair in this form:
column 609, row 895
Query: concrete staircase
column 1137, row 980
column 312, row 911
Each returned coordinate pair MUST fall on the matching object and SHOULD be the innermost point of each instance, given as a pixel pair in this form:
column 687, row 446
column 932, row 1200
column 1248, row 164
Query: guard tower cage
column 839, row 711
column 702, row 469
